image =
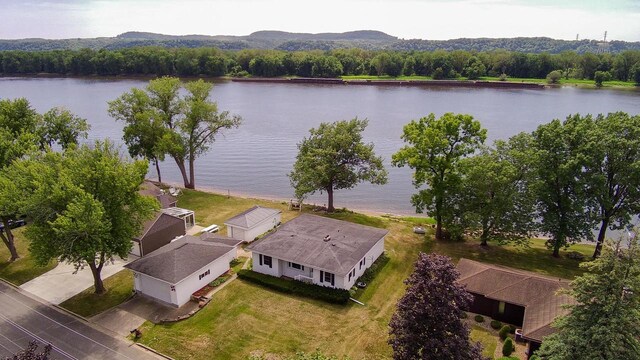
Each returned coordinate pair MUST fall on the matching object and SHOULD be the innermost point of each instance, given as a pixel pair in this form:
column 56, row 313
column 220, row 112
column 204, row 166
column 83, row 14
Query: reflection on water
column 255, row 159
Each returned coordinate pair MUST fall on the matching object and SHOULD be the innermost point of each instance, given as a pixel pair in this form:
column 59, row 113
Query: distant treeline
column 214, row 62
column 280, row 40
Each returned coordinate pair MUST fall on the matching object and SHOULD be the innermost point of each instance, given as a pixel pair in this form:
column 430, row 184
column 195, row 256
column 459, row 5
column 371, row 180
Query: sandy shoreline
column 212, row 190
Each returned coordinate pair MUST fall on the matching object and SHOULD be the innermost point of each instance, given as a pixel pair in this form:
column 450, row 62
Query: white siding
column 135, row 249
column 235, row 233
column 274, row 270
column 191, row 284
column 281, row 267
column 249, row 235
column 293, row 272
column 372, row 255
column 181, row 294
column 153, row 287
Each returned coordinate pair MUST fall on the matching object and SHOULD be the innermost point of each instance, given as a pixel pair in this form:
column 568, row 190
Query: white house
column 175, row 271
column 318, row 250
column 252, row 223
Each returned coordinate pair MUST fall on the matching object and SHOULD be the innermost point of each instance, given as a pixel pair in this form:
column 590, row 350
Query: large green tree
column 604, row 323
column 435, row 148
column 560, row 187
column 84, row 204
column 144, row 127
column 495, row 195
column 23, row 131
column 334, row 157
column 191, row 121
column 612, row 153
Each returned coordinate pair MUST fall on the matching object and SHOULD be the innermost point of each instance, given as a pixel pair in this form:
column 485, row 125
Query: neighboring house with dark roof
column 150, row 189
column 157, row 233
column 516, row 297
column 175, row 271
column 318, row 250
column 250, row 224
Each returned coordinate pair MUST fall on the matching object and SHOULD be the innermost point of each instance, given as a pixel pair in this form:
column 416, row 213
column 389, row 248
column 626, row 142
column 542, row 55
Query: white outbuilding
column 175, row 271
column 253, row 223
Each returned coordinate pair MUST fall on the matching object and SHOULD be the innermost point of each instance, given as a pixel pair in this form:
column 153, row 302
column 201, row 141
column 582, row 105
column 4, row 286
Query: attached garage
column 253, row 223
column 172, row 273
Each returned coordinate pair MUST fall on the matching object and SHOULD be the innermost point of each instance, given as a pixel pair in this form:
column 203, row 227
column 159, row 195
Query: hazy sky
column 423, row 19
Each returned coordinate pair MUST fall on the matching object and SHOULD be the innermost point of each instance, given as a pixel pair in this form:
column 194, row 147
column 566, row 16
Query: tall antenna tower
column 603, row 47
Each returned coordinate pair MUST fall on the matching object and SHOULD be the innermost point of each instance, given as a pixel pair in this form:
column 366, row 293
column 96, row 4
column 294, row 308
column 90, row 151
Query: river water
column 254, row 159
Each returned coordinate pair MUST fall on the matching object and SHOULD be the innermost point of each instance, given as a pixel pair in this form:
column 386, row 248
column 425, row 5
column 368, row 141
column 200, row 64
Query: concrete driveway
column 60, row 283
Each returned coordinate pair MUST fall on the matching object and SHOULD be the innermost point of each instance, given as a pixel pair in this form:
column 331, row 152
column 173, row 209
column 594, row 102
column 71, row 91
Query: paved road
column 23, row 319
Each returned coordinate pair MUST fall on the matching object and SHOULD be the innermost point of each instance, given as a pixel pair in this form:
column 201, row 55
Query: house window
column 363, row 262
column 204, row 274
column 296, row 266
column 328, row 277
column 267, row 260
column 352, row 273
column 501, row 306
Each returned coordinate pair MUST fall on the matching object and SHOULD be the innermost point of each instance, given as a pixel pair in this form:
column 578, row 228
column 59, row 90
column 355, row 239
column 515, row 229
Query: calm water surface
column 255, row 159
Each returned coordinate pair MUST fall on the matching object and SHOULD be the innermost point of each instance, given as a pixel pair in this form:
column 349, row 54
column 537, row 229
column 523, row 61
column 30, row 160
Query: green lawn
column 23, row 269
column 216, row 209
column 243, row 317
column 576, row 82
column 488, row 340
column 536, row 257
column 236, row 264
column 119, row 288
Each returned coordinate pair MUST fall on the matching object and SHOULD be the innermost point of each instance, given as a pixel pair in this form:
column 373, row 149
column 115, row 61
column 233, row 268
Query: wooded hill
column 280, row 40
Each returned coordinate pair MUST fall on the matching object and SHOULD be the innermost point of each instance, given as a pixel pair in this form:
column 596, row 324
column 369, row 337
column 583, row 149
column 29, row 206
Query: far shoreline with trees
column 620, row 70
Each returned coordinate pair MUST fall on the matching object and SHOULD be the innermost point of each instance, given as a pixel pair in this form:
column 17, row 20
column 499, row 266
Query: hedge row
column 335, row 296
column 371, row 272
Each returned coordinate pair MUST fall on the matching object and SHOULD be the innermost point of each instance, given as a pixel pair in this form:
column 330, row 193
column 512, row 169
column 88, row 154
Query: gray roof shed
column 252, row 217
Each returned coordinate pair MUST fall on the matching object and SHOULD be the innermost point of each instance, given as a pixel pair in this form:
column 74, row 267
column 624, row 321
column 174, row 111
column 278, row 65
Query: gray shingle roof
column 537, row 294
column 179, row 259
column 301, row 240
column 150, row 189
column 252, row 217
column 208, row 237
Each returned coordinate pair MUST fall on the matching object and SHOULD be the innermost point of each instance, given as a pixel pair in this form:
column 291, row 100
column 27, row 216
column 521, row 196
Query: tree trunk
column 483, row 239
column 97, row 280
column 556, row 247
column 601, row 235
column 485, row 234
column 9, row 240
column 439, row 234
column 330, row 203
column 158, row 170
column 192, row 175
column 183, row 172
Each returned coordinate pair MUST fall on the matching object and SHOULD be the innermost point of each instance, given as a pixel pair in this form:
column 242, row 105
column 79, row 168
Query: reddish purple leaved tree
column 428, row 321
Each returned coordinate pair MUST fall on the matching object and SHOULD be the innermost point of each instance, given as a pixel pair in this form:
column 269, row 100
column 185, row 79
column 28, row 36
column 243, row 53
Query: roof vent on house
column 327, row 238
